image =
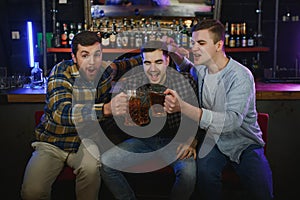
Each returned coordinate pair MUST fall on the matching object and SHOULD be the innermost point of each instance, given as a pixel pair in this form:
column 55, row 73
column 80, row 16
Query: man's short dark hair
column 85, row 38
column 154, row 45
column 214, row 26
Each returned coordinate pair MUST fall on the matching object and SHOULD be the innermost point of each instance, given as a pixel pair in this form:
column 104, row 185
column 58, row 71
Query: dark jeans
column 115, row 161
column 254, row 172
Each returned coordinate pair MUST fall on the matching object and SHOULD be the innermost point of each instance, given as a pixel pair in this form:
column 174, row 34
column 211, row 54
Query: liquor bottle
column 190, row 40
column 184, row 37
column 243, row 35
column 105, row 35
column 152, row 32
column 177, row 35
column 94, row 26
column 138, row 38
column 37, row 79
column 56, row 40
column 113, row 35
column 145, row 31
column 85, row 26
column 250, row 41
column 158, row 31
column 125, row 37
column 227, row 35
column 119, row 36
column 258, row 39
column 79, row 28
column 170, row 32
column 64, row 36
column 237, row 35
column 232, row 35
column 71, row 33
column 131, row 36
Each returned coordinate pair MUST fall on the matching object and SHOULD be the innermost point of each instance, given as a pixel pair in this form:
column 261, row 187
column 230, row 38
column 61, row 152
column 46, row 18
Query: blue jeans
column 115, row 161
column 254, row 172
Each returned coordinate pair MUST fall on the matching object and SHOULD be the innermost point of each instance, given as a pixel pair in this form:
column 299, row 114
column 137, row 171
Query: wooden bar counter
column 26, row 95
column 277, row 91
column 264, row 91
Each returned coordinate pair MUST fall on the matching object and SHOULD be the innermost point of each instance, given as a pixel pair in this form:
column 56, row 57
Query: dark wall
column 4, row 34
column 238, row 11
column 288, row 40
column 14, row 15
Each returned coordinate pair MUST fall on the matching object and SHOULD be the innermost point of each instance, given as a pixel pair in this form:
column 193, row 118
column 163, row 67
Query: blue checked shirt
column 68, row 91
column 182, row 83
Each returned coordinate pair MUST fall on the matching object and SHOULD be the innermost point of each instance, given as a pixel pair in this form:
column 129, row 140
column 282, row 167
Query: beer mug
column 138, row 109
column 157, row 99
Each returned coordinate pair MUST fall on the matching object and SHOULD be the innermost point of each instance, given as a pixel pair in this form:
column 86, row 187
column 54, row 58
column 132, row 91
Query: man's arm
column 120, row 67
column 183, row 64
column 179, row 55
column 173, row 103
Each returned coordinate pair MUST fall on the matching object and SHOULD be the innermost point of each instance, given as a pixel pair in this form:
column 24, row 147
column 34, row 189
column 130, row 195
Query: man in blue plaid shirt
column 72, row 90
column 173, row 144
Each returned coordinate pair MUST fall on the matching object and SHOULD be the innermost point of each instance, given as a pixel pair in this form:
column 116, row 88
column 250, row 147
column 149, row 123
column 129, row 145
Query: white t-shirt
column 209, row 89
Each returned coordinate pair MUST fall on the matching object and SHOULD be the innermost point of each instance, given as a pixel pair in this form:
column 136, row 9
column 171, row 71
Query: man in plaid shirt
column 72, row 90
column 175, row 142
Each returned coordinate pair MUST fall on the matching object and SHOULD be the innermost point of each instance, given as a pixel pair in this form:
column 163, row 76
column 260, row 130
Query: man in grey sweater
column 228, row 115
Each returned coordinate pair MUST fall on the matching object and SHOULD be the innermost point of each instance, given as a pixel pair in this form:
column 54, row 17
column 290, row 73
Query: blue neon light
column 30, row 44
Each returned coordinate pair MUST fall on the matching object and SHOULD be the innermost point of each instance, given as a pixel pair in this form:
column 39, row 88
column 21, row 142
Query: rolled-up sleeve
column 206, row 119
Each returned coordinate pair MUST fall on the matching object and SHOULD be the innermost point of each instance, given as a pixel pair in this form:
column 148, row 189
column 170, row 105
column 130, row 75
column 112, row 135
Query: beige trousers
column 46, row 163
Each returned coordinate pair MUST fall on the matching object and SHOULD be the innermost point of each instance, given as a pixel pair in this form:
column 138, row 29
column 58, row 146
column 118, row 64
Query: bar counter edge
column 264, row 91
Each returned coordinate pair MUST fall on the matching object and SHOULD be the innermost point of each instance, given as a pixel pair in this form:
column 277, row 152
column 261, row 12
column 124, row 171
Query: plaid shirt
column 182, row 83
column 71, row 99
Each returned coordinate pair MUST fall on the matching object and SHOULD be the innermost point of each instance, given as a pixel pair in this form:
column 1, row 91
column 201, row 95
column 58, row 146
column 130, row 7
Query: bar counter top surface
column 264, row 91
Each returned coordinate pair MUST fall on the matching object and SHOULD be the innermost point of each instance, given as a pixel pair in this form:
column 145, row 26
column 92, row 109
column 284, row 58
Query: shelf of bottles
column 123, row 50
column 239, row 39
column 121, row 35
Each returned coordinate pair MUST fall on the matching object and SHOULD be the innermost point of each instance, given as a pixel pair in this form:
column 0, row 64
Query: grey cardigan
column 231, row 120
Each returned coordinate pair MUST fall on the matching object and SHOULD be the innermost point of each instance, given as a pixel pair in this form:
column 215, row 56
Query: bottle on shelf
column 152, row 31
column 237, row 35
column 131, row 36
column 105, row 35
column 177, row 35
column 85, row 26
column 243, row 35
column 113, row 35
column 71, row 33
column 159, row 34
column 64, row 36
column 79, row 28
column 227, row 35
column 94, row 26
column 125, row 39
column 184, row 37
column 56, row 40
column 119, row 36
column 37, row 80
column 232, row 35
column 138, row 38
column 145, row 31
column 125, row 36
column 250, row 40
